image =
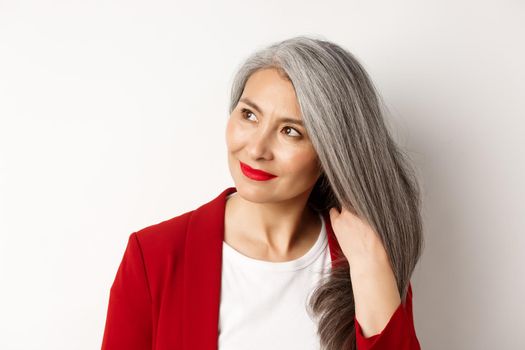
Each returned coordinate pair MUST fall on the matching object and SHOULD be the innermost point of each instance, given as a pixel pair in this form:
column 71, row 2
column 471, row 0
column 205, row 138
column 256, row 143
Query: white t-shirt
column 263, row 303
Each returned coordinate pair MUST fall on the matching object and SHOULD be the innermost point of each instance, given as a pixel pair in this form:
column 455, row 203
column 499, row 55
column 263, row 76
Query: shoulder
column 168, row 239
column 165, row 237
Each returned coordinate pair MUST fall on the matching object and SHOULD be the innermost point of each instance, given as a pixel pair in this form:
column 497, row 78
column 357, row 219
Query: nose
column 260, row 144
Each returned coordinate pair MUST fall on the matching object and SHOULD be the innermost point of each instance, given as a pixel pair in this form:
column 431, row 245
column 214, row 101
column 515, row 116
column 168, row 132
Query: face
column 257, row 135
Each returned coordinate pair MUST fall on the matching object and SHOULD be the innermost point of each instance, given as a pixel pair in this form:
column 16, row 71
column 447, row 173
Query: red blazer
column 166, row 292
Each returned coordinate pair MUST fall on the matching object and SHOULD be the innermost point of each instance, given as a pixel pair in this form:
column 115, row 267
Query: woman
column 315, row 245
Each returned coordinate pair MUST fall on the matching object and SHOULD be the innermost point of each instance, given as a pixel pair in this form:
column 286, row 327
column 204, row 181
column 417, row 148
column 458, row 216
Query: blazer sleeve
column 399, row 333
column 129, row 317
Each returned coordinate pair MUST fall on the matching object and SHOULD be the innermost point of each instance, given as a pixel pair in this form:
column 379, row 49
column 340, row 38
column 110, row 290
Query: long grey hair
column 361, row 166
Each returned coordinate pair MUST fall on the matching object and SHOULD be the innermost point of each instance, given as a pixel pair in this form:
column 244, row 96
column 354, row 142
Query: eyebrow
column 258, row 109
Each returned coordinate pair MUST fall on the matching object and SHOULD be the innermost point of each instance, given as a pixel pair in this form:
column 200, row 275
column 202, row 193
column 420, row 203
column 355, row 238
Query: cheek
column 304, row 162
column 234, row 135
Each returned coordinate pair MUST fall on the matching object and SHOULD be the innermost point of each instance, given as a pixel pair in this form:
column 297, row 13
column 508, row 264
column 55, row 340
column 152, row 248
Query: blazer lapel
column 203, row 272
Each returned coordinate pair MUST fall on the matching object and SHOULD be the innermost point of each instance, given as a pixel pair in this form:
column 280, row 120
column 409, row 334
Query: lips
column 255, row 174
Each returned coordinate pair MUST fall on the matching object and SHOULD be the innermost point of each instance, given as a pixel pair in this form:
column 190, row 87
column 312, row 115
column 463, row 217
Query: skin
column 270, row 220
column 374, row 285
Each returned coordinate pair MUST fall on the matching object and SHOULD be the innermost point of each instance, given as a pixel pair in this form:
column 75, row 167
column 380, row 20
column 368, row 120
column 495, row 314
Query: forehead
column 272, row 92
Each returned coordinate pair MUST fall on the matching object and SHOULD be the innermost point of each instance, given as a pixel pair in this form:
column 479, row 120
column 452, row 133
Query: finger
column 333, row 213
column 349, row 211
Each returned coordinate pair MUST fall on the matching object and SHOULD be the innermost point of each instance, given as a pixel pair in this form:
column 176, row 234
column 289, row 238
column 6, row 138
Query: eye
column 290, row 128
column 245, row 115
column 245, row 112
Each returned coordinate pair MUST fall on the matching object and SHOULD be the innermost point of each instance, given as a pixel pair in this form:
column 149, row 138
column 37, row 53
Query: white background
column 112, row 118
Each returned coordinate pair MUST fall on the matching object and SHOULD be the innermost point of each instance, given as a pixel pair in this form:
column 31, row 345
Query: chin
column 253, row 191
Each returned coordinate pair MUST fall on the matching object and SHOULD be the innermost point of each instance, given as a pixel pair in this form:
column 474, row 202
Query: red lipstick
column 255, row 174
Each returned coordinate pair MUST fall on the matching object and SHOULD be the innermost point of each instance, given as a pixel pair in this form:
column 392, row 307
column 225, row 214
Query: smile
column 255, row 174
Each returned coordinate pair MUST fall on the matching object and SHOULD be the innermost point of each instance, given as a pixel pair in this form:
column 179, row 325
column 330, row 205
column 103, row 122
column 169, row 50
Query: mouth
column 255, row 174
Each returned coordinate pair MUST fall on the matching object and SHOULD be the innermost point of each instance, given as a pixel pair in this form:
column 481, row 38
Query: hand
column 374, row 286
column 358, row 241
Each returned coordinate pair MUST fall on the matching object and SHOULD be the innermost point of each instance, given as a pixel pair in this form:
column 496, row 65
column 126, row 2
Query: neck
column 278, row 225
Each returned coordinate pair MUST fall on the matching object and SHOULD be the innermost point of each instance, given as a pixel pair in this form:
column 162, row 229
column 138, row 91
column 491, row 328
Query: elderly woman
column 315, row 245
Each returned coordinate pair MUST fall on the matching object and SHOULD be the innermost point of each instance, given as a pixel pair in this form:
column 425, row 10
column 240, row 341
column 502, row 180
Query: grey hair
column 362, row 167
